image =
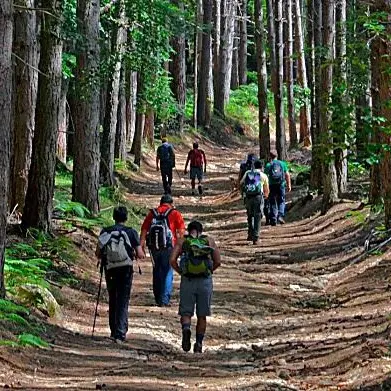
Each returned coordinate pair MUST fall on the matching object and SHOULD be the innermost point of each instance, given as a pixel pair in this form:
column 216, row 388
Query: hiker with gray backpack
column 199, row 258
column 162, row 227
column 255, row 187
column 118, row 247
column 279, row 183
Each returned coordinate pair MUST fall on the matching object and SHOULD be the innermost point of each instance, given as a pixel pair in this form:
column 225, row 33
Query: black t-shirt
column 166, row 154
column 132, row 235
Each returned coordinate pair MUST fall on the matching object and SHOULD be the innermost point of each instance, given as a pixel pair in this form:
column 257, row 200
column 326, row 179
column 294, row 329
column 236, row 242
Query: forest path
column 288, row 314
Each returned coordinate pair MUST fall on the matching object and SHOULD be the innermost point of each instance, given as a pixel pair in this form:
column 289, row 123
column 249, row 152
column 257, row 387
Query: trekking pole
column 180, row 178
column 97, row 301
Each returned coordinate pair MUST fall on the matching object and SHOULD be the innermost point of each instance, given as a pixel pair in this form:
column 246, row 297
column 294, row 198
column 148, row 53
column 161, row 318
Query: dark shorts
column 196, row 172
column 195, row 293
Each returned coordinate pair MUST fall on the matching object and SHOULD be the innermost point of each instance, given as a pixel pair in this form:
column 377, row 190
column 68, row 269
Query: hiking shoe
column 186, row 344
column 197, row 348
column 119, row 341
column 249, row 238
column 200, row 191
column 193, row 193
column 256, row 241
column 281, row 220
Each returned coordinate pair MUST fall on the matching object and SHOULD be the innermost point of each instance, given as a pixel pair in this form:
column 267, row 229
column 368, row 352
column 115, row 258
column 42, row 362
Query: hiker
column 245, row 166
column 197, row 160
column 279, row 182
column 255, row 186
column 160, row 230
column 117, row 248
column 165, row 155
column 199, row 258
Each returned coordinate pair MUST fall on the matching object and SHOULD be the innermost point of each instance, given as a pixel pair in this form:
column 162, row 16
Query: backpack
column 253, row 183
column 276, row 172
column 166, row 154
column 160, row 236
column 115, row 247
column 196, row 260
column 196, row 158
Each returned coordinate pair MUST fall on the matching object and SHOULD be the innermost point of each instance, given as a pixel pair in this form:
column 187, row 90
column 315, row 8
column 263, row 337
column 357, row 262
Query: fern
column 15, row 318
column 7, row 306
column 8, row 342
column 71, row 208
column 31, row 340
column 21, row 250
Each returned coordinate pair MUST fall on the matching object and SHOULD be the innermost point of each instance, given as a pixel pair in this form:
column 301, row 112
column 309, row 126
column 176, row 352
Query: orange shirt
column 175, row 220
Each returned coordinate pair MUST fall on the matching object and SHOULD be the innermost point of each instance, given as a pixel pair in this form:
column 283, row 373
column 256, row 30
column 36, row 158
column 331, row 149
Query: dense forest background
column 84, row 83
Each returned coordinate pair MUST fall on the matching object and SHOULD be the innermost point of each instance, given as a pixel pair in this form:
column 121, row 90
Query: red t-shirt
column 196, row 157
column 175, row 220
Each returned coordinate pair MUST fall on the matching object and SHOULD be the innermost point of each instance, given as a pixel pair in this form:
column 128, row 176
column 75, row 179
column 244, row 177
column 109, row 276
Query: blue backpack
column 253, row 183
column 276, row 173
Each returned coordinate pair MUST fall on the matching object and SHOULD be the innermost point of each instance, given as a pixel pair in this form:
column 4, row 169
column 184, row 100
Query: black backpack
column 160, row 236
column 276, row 173
column 166, row 154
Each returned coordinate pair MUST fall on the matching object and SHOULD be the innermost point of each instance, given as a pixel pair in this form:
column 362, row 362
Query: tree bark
column 85, row 185
column 6, row 28
column 216, row 44
column 131, row 104
column 243, row 43
column 235, row 58
column 120, row 138
column 279, row 93
column 110, row 121
column 38, row 206
column 381, row 89
column 289, row 74
column 178, row 72
column 203, row 106
column 305, row 115
column 140, row 120
column 149, row 127
column 340, row 151
column 63, row 122
column 330, row 194
column 316, row 165
column 263, row 112
column 25, row 47
column 310, row 58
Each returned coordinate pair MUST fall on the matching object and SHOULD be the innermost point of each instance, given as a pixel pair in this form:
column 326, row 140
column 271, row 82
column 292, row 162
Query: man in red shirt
column 160, row 231
column 197, row 160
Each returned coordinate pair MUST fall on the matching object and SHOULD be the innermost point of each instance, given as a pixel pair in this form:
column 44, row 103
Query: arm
column 139, row 252
column 157, row 162
column 175, row 253
column 98, row 253
column 216, row 256
column 243, row 178
column 180, row 225
column 266, row 189
column 144, row 230
column 288, row 181
column 173, row 156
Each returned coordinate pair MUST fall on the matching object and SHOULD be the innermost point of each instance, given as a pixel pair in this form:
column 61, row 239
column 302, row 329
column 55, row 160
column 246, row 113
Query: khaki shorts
column 195, row 293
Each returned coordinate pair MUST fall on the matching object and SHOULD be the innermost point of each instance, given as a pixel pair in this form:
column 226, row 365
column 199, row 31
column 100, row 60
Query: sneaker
column 200, row 191
column 197, row 348
column 249, row 238
column 119, row 341
column 193, row 193
column 256, row 241
column 186, row 344
column 281, row 220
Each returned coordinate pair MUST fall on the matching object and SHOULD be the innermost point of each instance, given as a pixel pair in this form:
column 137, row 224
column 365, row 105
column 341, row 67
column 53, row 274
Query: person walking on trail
column 165, row 156
column 245, row 166
column 161, row 229
column 199, row 258
column 255, row 186
column 279, row 183
column 117, row 248
column 197, row 160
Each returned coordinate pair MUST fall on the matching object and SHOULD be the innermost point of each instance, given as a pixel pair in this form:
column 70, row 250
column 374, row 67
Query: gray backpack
column 115, row 247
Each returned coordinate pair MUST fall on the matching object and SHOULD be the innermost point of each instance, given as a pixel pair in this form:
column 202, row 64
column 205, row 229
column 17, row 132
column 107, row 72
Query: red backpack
column 196, row 158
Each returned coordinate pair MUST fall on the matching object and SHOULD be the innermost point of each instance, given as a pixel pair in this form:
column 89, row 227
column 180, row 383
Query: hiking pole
column 180, row 178
column 97, row 301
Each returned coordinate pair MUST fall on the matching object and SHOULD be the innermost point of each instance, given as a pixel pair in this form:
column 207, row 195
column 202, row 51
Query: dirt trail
column 289, row 314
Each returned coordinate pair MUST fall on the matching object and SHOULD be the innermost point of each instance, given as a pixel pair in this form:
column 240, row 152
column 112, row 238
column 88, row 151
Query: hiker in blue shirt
column 279, row 183
column 165, row 155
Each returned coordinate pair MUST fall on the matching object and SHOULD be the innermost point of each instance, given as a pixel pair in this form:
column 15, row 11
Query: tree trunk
column 243, row 43
column 305, row 115
column 178, row 72
column 140, row 120
column 235, row 59
column 381, row 89
column 25, row 47
column 63, row 122
column 85, row 185
column 203, row 106
column 316, row 165
column 37, row 210
column 120, row 138
column 6, row 28
column 330, row 195
column 289, row 74
column 216, row 44
column 279, row 94
column 263, row 113
column 149, row 127
column 343, row 123
column 131, row 104
column 110, row 121
column 310, row 58
column 197, row 58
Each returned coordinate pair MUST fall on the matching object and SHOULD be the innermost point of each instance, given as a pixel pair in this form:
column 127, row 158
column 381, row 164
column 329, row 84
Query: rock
column 283, row 374
column 281, row 362
column 39, row 297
